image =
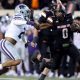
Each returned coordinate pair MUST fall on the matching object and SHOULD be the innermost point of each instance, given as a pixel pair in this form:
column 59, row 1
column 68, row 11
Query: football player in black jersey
column 45, row 36
column 60, row 34
column 63, row 28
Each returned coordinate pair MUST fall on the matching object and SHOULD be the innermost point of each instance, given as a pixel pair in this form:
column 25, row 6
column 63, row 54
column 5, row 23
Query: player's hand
column 76, row 21
column 59, row 2
column 33, row 44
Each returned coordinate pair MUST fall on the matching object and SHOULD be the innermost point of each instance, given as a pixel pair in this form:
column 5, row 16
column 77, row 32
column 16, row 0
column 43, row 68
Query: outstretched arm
column 59, row 3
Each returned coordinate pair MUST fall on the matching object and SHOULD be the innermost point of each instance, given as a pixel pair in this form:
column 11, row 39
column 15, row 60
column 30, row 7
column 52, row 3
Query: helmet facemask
column 24, row 10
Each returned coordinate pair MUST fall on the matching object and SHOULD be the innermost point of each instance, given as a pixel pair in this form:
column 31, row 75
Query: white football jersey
column 17, row 26
column 77, row 40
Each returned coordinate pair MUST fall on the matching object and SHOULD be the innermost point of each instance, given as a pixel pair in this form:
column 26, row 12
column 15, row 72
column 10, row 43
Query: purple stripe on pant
column 6, row 51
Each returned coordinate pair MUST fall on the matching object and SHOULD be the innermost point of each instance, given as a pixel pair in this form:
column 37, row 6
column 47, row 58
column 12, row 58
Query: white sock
column 1, row 67
column 19, row 67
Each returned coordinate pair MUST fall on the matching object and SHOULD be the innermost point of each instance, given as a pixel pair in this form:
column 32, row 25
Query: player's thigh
column 12, row 50
column 3, row 58
column 20, row 46
column 43, row 49
column 57, row 57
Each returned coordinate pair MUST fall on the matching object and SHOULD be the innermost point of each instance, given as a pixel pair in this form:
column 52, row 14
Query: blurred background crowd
column 27, row 67
column 10, row 4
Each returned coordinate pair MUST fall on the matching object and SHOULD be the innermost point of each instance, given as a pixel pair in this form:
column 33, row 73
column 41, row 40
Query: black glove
column 26, row 45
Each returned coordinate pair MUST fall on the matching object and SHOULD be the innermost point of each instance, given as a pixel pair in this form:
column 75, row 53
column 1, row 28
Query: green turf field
column 3, row 77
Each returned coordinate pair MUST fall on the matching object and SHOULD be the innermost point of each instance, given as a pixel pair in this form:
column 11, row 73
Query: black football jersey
column 62, row 29
column 44, row 34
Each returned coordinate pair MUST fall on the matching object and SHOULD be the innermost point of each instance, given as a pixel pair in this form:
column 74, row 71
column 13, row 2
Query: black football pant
column 71, row 50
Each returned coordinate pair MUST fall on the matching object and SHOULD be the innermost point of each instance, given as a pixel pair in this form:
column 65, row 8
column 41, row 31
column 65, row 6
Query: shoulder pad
column 49, row 19
column 18, row 19
column 43, row 14
column 19, row 22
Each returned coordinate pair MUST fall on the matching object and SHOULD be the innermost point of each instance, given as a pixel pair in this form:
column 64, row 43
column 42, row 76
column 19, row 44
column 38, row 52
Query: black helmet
column 52, row 5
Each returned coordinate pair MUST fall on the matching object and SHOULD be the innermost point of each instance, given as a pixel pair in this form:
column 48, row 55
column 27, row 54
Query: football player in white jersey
column 15, row 29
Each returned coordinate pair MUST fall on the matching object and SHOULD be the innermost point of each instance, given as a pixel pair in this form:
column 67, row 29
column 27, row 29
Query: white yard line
column 11, row 79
